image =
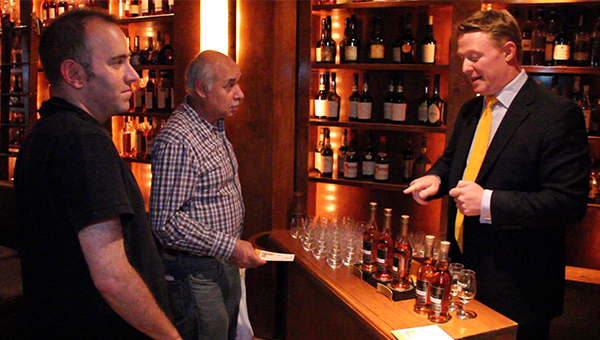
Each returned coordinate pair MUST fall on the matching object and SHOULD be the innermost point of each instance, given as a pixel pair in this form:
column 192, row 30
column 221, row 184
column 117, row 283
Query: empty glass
column 296, row 226
column 454, row 270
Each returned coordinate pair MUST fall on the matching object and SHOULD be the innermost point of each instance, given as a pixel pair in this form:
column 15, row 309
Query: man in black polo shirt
column 91, row 269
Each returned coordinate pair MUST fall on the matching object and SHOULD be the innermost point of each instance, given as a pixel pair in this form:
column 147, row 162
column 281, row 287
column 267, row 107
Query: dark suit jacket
column 538, row 167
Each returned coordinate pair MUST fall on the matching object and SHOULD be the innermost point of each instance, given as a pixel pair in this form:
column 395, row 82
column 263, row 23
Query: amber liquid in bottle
column 402, row 258
column 439, row 288
column 370, row 238
column 424, row 275
column 385, row 250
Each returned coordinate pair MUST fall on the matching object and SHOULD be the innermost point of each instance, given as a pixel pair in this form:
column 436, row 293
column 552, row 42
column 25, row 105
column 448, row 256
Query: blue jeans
column 204, row 296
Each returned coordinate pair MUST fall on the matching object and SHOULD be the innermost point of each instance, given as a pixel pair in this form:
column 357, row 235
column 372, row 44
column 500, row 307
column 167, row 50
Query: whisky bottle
column 397, row 44
column 424, row 104
column 145, row 55
column 409, row 44
column 135, row 54
column 368, row 160
column 388, row 101
column 365, row 102
column 402, row 258
column 334, row 101
column 140, row 94
column 158, row 7
column 400, row 105
column 435, row 105
column 353, row 100
column 429, row 45
column 422, row 163
column 352, row 48
column 145, row 8
column 552, row 30
column 158, row 46
column 526, row 38
column 370, row 238
column 376, row 42
column 581, row 46
column 406, row 170
column 351, row 159
column 424, row 275
column 165, row 56
column 562, row 49
column 321, row 99
column 126, row 137
column 150, row 99
column 595, row 45
column 326, row 49
column 342, row 44
column 586, row 106
column 382, row 162
column 538, row 39
column 318, row 150
column 134, row 8
column 326, row 156
column 385, row 249
column 140, row 138
column 439, row 287
column 342, row 151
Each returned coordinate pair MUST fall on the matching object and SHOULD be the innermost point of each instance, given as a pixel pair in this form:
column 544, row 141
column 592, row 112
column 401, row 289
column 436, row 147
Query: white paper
column 271, row 256
column 433, row 332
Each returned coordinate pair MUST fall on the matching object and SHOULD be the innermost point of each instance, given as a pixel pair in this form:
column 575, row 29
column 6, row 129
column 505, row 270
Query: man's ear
column 510, row 50
column 201, row 88
column 73, row 73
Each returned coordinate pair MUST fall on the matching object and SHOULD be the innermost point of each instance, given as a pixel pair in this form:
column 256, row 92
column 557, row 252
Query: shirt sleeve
column 486, row 212
column 174, row 172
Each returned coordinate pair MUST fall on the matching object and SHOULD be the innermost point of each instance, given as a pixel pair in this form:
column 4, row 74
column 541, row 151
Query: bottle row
column 50, row 9
column 137, row 8
column 137, row 136
column 431, row 108
column 548, row 40
column 389, row 262
column 151, row 94
column 366, row 163
column 572, row 87
column 157, row 52
column 405, row 49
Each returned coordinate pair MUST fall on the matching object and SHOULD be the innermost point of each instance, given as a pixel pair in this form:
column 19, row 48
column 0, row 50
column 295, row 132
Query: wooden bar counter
column 327, row 303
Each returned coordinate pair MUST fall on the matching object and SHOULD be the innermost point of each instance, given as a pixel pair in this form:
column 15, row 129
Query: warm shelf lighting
column 214, row 24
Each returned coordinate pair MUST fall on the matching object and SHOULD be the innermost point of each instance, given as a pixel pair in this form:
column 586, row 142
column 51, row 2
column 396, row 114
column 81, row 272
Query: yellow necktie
column 478, row 151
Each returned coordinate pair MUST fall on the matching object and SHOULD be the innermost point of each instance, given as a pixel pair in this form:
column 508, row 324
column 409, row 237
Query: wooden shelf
column 380, row 4
column 147, row 18
column 379, row 126
column 136, row 160
column 380, row 67
column 359, row 182
column 562, row 70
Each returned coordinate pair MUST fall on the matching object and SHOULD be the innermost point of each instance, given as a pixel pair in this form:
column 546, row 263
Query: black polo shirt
column 69, row 175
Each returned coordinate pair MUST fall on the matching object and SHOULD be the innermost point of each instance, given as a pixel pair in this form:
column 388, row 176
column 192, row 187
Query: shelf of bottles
column 16, row 96
column 377, row 69
column 148, row 25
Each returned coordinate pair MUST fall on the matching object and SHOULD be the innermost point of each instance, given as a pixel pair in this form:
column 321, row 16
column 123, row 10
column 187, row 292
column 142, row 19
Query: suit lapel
column 516, row 113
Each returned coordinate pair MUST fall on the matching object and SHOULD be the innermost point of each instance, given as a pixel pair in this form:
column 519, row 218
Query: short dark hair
column 66, row 38
column 499, row 24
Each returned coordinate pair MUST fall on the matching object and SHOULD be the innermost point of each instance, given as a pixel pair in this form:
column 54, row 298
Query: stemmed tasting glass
column 467, row 289
column 454, row 270
column 296, row 226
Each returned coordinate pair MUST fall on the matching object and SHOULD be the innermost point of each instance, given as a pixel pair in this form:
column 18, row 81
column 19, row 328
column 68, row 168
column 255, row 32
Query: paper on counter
column 432, row 332
column 271, row 256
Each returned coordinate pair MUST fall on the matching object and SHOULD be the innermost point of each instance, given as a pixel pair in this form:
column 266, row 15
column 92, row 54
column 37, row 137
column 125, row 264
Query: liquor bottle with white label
column 370, row 238
column 439, row 287
column 402, row 258
column 429, row 45
column 424, row 275
column 385, row 249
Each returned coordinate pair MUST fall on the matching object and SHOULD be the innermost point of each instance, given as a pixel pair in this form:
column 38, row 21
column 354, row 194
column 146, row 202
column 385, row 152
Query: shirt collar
column 203, row 123
column 509, row 92
column 57, row 105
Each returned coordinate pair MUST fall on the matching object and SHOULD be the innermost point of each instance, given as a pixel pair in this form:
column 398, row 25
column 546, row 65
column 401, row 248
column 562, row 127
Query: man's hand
column 244, row 255
column 467, row 196
column 423, row 187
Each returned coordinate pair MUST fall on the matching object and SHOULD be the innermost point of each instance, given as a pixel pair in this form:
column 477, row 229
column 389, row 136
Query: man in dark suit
column 532, row 182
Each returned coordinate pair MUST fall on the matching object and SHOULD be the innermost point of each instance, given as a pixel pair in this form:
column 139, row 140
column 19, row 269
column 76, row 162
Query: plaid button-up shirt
column 196, row 201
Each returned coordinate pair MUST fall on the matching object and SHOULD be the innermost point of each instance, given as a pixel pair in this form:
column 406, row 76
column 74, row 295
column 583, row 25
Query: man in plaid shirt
column 196, row 206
